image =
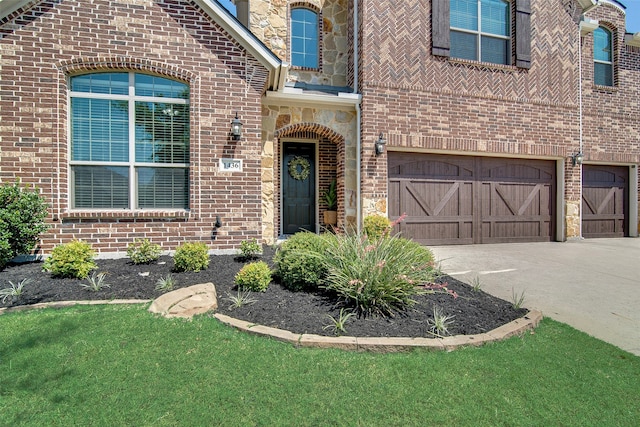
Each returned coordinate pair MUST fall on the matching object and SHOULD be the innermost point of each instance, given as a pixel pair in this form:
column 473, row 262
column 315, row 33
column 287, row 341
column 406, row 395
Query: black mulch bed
column 299, row 312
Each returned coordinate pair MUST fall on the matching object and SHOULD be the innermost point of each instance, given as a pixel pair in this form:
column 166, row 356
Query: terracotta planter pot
column 330, row 217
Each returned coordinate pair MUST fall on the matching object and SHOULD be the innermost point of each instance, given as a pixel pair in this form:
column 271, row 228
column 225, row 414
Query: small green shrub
column 6, row 254
column 377, row 276
column 22, row 215
column 249, row 249
column 254, row 277
column 191, row 257
column 376, row 226
column 298, row 261
column 142, row 251
column 73, row 259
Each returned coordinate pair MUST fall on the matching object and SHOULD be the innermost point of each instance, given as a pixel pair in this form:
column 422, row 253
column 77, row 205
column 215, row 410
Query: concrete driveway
column 592, row 285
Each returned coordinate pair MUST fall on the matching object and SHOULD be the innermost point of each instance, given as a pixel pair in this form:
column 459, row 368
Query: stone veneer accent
column 269, row 21
column 326, row 127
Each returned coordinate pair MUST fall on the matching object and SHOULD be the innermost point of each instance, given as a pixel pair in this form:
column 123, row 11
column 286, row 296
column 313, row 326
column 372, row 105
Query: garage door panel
column 506, row 230
column 512, row 201
column 408, row 165
column 434, row 209
column 436, row 198
column 604, row 201
column 517, row 170
column 438, row 231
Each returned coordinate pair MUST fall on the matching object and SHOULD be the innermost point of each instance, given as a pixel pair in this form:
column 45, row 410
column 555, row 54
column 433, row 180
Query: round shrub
column 22, row 215
column 142, row 251
column 73, row 259
column 299, row 263
column 249, row 249
column 255, row 276
column 6, row 254
column 376, row 226
column 191, row 257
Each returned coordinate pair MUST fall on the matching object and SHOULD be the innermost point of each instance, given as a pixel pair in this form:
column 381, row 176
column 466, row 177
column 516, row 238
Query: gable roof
column 218, row 14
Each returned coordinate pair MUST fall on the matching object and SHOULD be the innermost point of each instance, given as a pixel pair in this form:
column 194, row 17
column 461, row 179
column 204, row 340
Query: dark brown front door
column 604, row 201
column 298, row 188
column 465, row 199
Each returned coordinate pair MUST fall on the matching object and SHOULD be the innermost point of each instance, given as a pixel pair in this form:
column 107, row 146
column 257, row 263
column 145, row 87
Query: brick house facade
column 471, row 132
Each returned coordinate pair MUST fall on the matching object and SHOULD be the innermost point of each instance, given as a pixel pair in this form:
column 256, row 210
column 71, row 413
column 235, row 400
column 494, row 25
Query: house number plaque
column 230, row 165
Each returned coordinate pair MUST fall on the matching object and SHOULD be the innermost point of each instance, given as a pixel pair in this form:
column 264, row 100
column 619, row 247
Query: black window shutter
column 523, row 33
column 440, row 41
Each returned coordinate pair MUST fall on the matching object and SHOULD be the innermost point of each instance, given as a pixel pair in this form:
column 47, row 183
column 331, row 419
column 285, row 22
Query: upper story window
column 129, row 141
column 304, row 38
column 480, row 30
column 603, row 57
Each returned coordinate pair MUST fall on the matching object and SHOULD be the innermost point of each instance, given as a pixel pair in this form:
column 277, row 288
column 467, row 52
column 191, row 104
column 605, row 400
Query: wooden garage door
column 464, row 199
column 604, row 201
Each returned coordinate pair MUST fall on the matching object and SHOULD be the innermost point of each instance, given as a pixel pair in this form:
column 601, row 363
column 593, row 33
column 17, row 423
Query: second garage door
column 604, row 201
column 464, row 199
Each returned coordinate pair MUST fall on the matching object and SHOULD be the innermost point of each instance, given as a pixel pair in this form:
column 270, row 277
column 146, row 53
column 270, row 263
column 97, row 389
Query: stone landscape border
column 372, row 344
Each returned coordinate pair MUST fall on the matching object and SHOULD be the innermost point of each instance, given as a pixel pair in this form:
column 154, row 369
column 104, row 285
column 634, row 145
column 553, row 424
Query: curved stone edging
column 388, row 344
column 373, row 344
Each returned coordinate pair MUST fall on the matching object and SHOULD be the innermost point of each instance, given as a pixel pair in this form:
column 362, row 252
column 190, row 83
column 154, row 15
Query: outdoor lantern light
column 576, row 158
column 379, row 144
column 236, row 128
column 216, row 226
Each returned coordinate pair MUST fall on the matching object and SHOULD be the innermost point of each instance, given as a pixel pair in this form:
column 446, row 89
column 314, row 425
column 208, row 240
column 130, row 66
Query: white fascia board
column 588, row 26
column 296, row 97
column 240, row 33
column 7, row 7
column 586, row 3
column 632, row 39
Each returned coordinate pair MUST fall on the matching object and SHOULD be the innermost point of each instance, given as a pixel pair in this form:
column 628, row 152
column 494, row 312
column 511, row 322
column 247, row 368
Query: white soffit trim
column 297, row 97
column 240, row 33
column 588, row 26
column 7, row 7
column 586, row 3
column 632, row 39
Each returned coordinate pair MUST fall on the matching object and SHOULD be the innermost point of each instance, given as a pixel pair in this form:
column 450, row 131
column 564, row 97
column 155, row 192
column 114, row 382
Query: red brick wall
column 42, row 47
column 611, row 125
column 426, row 103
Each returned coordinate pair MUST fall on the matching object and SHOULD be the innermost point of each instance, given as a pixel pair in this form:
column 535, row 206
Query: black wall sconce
column 577, row 158
column 379, row 144
column 236, row 128
column 216, row 225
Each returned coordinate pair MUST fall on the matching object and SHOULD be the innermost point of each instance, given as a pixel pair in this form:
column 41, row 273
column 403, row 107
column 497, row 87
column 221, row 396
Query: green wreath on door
column 299, row 168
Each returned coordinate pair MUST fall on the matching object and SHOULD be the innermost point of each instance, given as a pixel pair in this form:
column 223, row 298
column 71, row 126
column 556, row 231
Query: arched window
column 304, row 38
column 481, row 30
column 129, row 141
column 603, row 57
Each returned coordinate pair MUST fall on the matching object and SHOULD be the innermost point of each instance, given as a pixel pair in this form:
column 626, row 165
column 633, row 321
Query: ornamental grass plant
column 379, row 275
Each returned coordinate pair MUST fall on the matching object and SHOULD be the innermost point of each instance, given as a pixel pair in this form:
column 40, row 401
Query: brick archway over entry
column 331, row 161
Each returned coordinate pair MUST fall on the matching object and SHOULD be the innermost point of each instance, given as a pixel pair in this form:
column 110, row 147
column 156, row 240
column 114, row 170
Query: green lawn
column 121, row 366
